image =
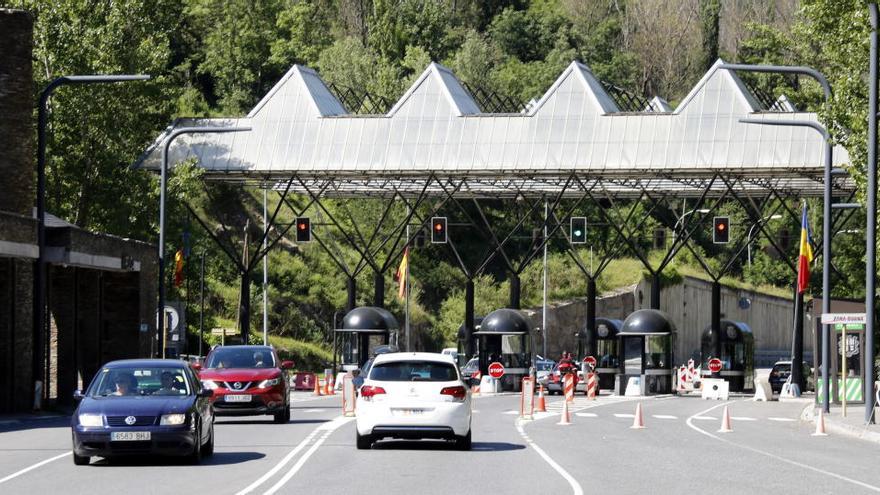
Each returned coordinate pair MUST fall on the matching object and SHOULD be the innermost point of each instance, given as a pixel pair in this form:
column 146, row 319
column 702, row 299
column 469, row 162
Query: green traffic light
column 578, row 233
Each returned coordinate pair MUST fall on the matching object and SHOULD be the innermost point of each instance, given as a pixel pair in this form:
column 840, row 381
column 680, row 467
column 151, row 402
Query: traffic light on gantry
column 303, row 229
column 578, row 230
column 438, row 230
column 721, row 230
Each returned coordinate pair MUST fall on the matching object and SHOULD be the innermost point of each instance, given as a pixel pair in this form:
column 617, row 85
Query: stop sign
column 714, row 365
column 496, row 370
column 591, row 361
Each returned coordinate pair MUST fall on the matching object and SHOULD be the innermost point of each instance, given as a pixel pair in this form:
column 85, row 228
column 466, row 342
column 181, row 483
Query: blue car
column 143, row 406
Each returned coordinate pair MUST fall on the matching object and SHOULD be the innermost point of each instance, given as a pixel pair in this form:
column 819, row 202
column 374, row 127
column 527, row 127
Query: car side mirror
column 77, row 395
column 197, row 366
column 206, row 392
column 286, row 365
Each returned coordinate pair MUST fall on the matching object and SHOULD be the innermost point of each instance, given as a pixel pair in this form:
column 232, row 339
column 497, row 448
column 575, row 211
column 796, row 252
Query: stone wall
column 17, row 161
column 16, row 323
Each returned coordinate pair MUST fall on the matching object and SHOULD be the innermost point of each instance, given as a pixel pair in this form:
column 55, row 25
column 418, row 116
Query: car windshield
column 544, row 365
column 241, row 357
column 406, row 371
column 140, row 381
column 782, row 368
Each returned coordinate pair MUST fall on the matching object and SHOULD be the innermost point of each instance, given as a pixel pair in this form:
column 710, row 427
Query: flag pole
column 406, row 289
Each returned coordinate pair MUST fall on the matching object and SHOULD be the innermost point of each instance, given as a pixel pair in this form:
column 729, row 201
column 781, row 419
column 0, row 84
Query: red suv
column 247, row 380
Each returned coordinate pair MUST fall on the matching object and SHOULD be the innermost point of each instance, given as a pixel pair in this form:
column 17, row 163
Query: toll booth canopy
column 363, row 330
column 504, row 336
column 737, row 354
column 646, row 341
column 607, row 350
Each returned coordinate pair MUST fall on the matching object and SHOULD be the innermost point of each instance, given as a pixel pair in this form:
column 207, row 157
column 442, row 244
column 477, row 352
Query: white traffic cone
column 638, row 420
column 725, row 422
column 566, row 415
column 820, row 425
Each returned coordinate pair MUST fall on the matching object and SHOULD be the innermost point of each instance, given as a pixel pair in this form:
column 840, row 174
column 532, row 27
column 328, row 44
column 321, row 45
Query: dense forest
column 218, row 58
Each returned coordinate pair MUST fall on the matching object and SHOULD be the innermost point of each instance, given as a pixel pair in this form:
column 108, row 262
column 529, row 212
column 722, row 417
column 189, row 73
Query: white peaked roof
column 300, row 129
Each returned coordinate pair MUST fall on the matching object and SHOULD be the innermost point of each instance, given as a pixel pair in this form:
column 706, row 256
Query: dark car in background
column 247, row 380
column 143, row 406
column 782, row 370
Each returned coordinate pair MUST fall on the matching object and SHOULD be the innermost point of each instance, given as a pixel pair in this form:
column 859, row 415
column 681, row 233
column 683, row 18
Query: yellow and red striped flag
column 805, row 257
column 401, row 274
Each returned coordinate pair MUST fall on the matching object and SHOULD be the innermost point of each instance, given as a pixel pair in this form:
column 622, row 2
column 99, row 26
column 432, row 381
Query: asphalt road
column 679, row 451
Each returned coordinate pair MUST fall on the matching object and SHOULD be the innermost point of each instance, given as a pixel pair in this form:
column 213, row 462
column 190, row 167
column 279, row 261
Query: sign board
column 527, row 399
column 590, row 361
column 834, row 318
column 496, row 370
column 715, row 365
column 224, row 331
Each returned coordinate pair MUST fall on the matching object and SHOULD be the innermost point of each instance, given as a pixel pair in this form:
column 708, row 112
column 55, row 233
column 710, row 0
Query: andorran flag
column 401, row 275
column 806, row 254
column 178, row 268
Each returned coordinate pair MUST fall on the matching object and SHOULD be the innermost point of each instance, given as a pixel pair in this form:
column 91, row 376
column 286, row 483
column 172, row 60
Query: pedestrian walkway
column 852, row 425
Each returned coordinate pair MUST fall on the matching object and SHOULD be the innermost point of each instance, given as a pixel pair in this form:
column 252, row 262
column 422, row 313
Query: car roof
column 253, row 347
column 413, row 356
column 123, row 363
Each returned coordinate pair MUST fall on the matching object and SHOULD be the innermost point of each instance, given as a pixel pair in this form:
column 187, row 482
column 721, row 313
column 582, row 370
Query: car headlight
column 209, row 384
column 270, row 382
column 172, row 419
column 91, row 420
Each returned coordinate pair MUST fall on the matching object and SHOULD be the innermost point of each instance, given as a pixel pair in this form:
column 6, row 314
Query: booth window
column 607, row 351
column 657, row 351
column 513, row 351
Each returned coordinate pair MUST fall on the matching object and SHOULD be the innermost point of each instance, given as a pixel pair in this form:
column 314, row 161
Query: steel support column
column 871, row 227
column 590, row 330
column 716, row 322
column 655, row 290
column 244, row 307
column 351, row 288
column 469, row 319
column 515, row 291
column 379, row 290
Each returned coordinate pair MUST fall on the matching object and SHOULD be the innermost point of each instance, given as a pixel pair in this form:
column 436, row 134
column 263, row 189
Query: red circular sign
column 714, row 365
column 496, row 370
column 590, row 360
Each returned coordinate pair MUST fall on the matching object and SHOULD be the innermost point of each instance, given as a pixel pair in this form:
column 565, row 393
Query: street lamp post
column 40, row 265
column 751, row 230
column 162, row 191
column 681, row 218
column 826, row 210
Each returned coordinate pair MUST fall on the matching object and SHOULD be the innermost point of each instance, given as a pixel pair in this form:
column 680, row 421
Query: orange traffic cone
column 725, row 422
column 541, row 406
column 820, row 425
column 565, row 420
column 317, row 386
column 638, row 420
column 331, row 386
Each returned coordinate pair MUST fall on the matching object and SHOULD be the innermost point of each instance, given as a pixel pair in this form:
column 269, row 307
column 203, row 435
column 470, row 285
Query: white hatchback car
column 414, row 395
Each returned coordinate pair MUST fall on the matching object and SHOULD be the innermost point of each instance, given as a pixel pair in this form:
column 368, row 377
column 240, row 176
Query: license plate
column 408, row 412
column 129, row 436
column 238, row 398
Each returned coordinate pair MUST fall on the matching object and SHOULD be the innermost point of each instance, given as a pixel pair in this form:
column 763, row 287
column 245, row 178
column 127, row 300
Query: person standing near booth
column 566, row 365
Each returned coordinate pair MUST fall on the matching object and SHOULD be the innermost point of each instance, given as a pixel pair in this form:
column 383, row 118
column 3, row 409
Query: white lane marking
column 624, row 415
column 328, row 428
column 742, row 418
column 586, row 415
column 281, row 464
column 705, row 418
column 664, row 416
column 774, row 456
column 783, row 420
column 313, row 410
column 35, row 466
column 510, row 412
column 575, row 486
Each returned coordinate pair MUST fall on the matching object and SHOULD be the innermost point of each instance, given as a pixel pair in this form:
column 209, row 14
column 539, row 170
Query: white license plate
column 238, row 398
column 407, row 412
column 129, row 436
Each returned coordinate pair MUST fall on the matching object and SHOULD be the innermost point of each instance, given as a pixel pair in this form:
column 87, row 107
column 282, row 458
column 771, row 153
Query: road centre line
column 32, row 467
column 575, row 486
column 784, row 420
column 664, row 416
column 772, row 456
column 281, row 464
column 624, row 415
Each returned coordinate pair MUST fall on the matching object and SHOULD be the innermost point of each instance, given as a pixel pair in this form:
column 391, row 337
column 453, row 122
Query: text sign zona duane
column 835, row 318
column 714, row 365
column 496, row 370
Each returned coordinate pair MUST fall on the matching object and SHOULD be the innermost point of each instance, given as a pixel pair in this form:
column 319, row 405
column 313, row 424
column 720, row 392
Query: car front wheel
column 208, row 448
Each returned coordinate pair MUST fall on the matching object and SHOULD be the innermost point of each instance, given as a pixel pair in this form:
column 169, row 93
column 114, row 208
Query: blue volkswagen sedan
column 143, row 406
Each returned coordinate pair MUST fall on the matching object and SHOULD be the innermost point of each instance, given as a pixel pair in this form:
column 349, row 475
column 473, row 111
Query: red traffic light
column 438, row 230
column 303, row 229
column 721, row 234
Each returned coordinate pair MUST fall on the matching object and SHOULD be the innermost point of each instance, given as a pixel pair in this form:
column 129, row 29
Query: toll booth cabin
column 504, row 336
column 607, row 351
column 363, row 330
column 846, row 360
column 737, row 354
column 645, row 344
